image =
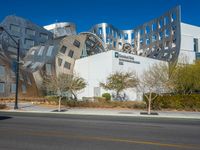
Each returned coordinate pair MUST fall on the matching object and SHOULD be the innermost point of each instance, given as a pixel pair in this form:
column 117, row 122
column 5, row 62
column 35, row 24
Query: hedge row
column 178, row 102
column 99, row 102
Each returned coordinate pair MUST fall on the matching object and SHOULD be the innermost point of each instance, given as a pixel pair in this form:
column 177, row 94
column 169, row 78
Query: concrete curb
column 106, row 114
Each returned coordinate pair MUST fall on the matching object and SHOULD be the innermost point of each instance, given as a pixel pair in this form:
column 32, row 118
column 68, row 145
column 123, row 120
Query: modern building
column 96, row 68
column 58, row 48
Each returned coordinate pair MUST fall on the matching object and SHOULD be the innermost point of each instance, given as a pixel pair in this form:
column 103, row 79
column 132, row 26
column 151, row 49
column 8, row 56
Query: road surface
column 35, row 131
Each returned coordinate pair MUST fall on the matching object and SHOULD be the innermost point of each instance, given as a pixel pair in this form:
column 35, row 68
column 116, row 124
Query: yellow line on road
column 109, row 139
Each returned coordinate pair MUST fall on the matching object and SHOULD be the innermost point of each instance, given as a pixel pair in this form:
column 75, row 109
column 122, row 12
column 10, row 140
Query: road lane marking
column 98, row 138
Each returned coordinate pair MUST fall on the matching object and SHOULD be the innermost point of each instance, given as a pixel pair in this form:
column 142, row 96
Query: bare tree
column 120, row 81
column 154, row 81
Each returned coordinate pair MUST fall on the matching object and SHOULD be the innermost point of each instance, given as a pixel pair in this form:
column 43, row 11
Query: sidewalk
column 29, row 107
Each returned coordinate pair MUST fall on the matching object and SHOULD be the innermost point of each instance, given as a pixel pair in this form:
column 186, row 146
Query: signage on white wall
column 125, row 58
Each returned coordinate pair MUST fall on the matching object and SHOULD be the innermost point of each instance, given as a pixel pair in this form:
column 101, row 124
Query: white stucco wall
column 188, row 33
column 95, row 69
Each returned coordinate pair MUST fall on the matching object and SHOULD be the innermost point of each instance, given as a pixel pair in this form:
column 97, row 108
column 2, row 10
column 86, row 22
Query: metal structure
column 62, row 29
column 158, row 38
column 29, row 34
column 53, row 49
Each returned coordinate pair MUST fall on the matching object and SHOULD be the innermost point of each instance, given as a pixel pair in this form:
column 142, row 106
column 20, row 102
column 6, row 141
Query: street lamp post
column 17, row 64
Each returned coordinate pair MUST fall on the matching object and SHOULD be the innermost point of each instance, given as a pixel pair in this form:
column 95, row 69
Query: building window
column 114, row 44
column 147, row 41
column 2, row 71
column 59, row 62
column 197, row 56
column 160, row 23
column 71, row 53
column 107, row 30
column 67, row 65
column 14, row 28
column 63, row 49
column 166, row 20
column 13, row 88
column 29, row 43
column 30, row 31
column 132, row 35
column 100, row 30
column 2, row 87
column 41, row 51
column 125, row 36
column 154, row 26
column 35, row 65
column 11, row 42
column 115, row 34
column 76, row 43
column 50, row 50
column 195, row 44
column 23, row 88
column 48, row 69
column 44, row 36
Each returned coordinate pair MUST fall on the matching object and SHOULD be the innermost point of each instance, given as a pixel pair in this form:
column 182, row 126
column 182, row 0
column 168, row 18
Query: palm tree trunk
column 75, row 97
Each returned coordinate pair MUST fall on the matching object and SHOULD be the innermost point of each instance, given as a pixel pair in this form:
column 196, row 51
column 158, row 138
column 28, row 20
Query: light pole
column 17, row 42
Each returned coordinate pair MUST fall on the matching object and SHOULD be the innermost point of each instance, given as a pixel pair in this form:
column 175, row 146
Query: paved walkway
column 29, row 107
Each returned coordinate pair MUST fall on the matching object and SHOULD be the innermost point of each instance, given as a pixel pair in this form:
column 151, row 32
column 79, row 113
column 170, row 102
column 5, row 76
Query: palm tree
column 64, row 84
column 75, row 84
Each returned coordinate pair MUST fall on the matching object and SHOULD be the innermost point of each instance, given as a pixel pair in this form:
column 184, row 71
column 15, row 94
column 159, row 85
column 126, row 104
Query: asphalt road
column 26, row 131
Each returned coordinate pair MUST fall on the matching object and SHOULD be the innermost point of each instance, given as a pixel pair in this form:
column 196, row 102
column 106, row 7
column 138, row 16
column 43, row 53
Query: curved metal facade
column 158, row 38
column 45, row 52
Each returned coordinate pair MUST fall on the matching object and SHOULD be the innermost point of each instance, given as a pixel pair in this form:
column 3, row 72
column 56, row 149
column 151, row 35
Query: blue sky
column 123, row 14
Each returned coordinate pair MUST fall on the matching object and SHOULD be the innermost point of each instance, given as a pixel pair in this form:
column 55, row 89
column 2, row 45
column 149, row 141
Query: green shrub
column 178, row 102
column 107, row 96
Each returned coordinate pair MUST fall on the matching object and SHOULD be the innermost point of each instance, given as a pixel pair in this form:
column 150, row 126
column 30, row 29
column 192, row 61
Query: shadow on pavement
column 62, row 110
column 4, row 117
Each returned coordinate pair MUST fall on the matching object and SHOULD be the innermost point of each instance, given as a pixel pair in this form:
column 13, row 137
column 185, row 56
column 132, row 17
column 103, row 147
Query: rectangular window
column 197, row 56
column 71, row 53
column 35, row 65
column 2, row 87
column 132, row 36
column 100, row 30
column 2, row 71
column 30, row 31
column 48, row 69
column 195, row 45
column 125, row 36
column 76, row 43
column 107, row 30
column 44, row 36
column 29, row 43
column 23, row 88
column 114, row 43
column 50, row 50
column 13, row 88
column 14, row 28
column 63, row 49
column 59, row 62
column 41, row 51
column 67, row 65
